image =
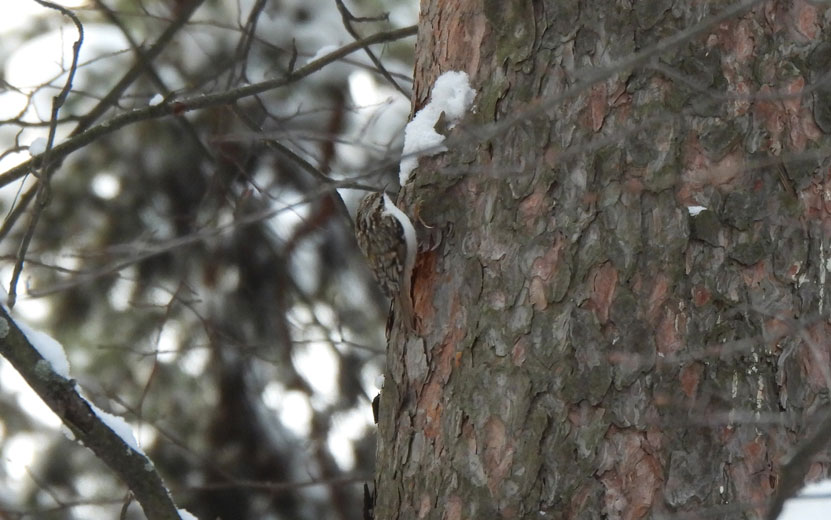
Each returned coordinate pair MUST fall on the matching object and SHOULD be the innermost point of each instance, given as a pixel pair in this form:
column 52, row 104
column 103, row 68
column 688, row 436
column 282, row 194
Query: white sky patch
column 225, row 217
column 326, row 315
column 36, row 61
column 19, row 454
column 695, row 210
column 273, row 394
column 67, row 258
column 292, row 410
column 48, row 347
column 403, row 14
column 376, row 128
column 301, row 314
column 52, row 52
column 378, row 116
column 156, row 100
column 13, row 383
column 159, row 296
column 88, row 483
column 33, row 309
column 12, row 159
column 316, row 362
column 363, row 89
column 295, row 412
column 323, row 51
column 326, row 27
column 452, row 95
column 194, row 361
column 337, row 71
column 90, row 510
column 38, row 146
column 26, row 13
column 347, row 428
column 118, row 425
column 806, row 508
column 305, row 263
column 168, row 343
column 291, row 213
column 119, row 295
column 106, row 186
column 146, row 435
column 228, row 279
column 24, row 10
column 342, row 450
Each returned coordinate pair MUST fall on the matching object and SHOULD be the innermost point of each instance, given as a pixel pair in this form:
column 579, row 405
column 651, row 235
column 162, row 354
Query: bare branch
column 46, row 165
column 63, row 398
column 196, row 103
column 143, row 60
column 348, row 18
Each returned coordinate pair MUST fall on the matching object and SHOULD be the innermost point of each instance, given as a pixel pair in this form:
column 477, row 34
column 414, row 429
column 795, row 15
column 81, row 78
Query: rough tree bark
column 588, row 348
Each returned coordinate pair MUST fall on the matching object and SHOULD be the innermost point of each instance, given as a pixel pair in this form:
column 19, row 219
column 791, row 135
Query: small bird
column 387, row 238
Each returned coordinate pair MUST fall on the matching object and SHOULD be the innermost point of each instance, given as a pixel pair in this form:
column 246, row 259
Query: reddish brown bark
column 588, row 347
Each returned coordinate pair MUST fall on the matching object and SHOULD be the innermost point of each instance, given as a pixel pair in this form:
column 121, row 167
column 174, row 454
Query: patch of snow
column 451, row 96
column 323, row 51
column 812, row 503
column 186, row 515
column 48, row 347
column 118, row 425
column 38, row 146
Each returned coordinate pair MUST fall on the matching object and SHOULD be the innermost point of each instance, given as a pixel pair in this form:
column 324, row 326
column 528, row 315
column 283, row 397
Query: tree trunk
column 589, row 346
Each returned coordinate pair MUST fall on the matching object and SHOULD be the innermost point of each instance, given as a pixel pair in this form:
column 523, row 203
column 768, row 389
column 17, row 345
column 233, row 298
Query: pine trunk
column 588, row 346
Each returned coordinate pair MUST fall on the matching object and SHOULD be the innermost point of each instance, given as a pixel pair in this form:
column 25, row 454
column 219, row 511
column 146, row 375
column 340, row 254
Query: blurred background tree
column 200, row 270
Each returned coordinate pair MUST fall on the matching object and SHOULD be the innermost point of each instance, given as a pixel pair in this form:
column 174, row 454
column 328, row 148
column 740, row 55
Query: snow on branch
column 41, row 361
column 451, row 97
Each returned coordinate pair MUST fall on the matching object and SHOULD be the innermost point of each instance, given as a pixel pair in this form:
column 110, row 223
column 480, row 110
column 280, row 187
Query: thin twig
column 47, row 167
column 142, row 60
column 17, row 210
column 147, row 251
column 246, row 41
column 348, row 18
column 283, row 486
column 197, row 103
